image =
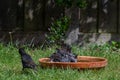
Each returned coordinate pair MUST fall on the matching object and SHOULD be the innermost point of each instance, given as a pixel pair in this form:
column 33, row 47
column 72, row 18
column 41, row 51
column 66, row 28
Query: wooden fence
column 100, row 16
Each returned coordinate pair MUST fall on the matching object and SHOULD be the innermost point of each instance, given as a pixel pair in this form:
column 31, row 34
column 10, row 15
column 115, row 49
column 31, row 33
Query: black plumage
column 63, row 55
column 27, row 61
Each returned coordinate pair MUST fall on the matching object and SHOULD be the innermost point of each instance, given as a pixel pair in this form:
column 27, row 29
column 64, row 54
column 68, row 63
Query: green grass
column 11, row 68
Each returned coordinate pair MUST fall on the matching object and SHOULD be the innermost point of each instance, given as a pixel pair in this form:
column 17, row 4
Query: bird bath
column 83, row 62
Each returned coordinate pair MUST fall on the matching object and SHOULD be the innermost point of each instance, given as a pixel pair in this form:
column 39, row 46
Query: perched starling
column 27, row 61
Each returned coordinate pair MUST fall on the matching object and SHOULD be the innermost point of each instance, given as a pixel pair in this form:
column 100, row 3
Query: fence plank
column 88, row 17
column 119, row 16
column 7, row 14
column 20, row 14
column 52, row 13
column 107, row 15
column 33, row 15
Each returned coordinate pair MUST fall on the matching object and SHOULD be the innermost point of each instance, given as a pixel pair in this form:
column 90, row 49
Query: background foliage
column 69, row 3
column 57, row 30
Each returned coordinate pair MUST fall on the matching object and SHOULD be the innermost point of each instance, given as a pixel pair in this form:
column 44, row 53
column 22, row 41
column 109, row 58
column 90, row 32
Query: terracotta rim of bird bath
column 83, row 62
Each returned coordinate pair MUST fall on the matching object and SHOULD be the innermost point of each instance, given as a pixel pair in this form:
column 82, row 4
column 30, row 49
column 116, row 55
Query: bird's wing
column 27, row 59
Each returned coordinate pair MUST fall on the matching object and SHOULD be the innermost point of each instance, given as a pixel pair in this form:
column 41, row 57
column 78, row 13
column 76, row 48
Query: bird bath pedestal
column 83, row 62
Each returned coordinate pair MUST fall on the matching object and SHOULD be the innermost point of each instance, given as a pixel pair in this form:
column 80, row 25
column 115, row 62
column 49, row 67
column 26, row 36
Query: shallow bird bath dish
column 83, row 62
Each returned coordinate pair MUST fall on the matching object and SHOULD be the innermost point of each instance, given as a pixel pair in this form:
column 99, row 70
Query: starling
column 27, row 61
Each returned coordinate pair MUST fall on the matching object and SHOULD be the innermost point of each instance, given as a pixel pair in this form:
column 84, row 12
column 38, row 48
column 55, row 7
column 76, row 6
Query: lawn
column 11, row 68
